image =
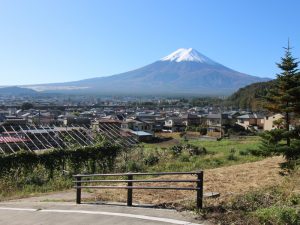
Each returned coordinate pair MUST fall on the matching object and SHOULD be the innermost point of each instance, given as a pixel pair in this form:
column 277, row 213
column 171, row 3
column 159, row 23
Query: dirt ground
column 228, row 181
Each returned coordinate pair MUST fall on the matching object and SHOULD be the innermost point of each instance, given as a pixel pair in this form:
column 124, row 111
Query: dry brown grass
column 228, row 181
column 213, row 134
column 166, row 144
column 175, row 135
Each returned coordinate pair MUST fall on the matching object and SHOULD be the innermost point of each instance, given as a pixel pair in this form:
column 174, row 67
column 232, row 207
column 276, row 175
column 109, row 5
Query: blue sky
column 54, row 41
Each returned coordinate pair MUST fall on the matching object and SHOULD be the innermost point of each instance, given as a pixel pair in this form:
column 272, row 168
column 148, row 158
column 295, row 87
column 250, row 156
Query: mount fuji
column 185, row 71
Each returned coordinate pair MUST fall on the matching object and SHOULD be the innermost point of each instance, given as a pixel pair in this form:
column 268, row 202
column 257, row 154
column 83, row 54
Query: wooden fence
column 89, row 182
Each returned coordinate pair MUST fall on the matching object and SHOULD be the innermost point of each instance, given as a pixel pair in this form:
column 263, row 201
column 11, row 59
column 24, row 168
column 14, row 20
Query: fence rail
column 81, row 179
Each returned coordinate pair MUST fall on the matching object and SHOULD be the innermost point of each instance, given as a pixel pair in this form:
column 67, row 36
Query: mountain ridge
column 183, row 71
column 14, row 90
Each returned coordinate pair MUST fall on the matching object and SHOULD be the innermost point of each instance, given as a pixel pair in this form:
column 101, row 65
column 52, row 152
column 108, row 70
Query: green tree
column 283, row 97
column 26, row 106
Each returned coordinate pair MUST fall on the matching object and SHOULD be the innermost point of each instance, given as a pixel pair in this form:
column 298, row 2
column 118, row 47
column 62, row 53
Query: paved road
column 34, row 212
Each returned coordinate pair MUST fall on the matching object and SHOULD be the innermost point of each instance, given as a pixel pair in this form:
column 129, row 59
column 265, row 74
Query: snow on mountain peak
column 187, row 54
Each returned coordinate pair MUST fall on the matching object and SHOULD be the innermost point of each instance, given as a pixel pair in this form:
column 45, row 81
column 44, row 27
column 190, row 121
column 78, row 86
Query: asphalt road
column 49, row 213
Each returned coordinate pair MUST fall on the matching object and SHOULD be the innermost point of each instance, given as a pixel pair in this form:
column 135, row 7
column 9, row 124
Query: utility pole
column 221, row 125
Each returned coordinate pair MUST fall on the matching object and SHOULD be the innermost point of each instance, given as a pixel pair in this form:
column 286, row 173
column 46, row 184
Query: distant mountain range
column 17, row 91
column 185, row 71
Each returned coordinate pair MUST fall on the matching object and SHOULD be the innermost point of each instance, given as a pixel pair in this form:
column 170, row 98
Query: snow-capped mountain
column 185, row 71
column 188, row 55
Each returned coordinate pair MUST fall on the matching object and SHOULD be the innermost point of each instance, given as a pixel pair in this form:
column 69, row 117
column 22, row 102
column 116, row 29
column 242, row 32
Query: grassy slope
column 251, row 193
column 219, row 154
column 228, row 181
column 252, row 189
column 217, row 157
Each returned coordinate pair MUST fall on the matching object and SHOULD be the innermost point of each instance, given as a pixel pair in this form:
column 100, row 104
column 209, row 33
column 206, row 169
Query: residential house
column 192, row 120
column 214, row 121
column 105, row 123
column 70, row 120
column 142, row 135
column 158, row 124
column 13, row 120
column 174, row 124
column 251, row 121
column 137, row 125
column 269, row 121
column 41, row 118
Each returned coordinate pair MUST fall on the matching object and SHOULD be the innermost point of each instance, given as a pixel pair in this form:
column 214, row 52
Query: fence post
column 199, row 190
column 129, row 191
column 78, row 190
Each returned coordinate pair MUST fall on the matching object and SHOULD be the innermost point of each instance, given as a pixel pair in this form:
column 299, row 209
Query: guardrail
column 82, row 179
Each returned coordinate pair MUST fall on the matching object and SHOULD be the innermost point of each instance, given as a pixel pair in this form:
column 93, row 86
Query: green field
column 219, row 153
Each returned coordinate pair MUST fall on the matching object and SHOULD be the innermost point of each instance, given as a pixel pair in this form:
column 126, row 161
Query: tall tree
column 284, row 96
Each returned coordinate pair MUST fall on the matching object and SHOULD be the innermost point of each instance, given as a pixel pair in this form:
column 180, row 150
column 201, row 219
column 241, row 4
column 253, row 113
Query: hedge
column 91, row 159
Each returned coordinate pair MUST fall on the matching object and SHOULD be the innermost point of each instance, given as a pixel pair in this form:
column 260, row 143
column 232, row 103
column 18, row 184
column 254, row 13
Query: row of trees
column 284, row 98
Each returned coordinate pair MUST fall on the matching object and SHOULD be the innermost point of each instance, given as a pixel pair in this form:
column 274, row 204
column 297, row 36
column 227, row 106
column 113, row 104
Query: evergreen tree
column 284, row 96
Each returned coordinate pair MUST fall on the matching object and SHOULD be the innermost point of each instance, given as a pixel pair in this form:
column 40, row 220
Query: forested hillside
column 250, row 97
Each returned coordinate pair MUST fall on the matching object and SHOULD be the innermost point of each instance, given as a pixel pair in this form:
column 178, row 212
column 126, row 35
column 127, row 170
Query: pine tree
column 284, row 97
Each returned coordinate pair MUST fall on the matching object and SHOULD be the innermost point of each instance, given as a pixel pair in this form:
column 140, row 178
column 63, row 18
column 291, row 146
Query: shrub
column 218, row 162
column 151, row 160
column 184, row 158
column 281, row 142
column 193, row 128
column 259, row 152
column 192, row 150
column 244, row 152
column 238, row 130
column 86, row 159
column 134, row 166
column 182, row 134
column 256, row 200
column 195, row 150
column 278, row 215
column 232, row 157
column 270, row 206
column 203, row 130
column 176, row 150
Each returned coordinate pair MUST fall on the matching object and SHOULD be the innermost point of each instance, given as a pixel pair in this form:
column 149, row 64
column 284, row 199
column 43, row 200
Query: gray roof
column 251, row 116
column 141, row 133
column 214, row 116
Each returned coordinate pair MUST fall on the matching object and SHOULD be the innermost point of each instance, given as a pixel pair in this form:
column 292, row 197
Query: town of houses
column 129, row 119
